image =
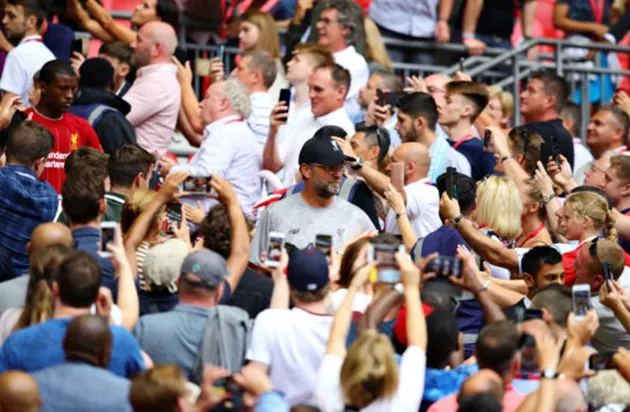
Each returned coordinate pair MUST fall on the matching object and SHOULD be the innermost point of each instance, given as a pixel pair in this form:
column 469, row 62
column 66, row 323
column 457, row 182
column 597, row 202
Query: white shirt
column 582, row 156
column 443, row 156
column 292, row 342
column 355, row 63
column 423, row 209
column 228, row 149
column 611, row 334
column 22, row 63
column 359, row 304
column 407, row 397
column 294, row 134
column 415, row 18
column 258, row 121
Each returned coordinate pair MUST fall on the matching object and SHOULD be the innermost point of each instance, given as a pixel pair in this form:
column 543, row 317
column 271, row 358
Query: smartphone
column 173, row 217
column 385, row 255
column 274, row 249
column 487, row 135
column 108, row 233
column 76, row 45
column 196, row 184
column 285, row 96
column 445, row 266
column 451, row 187
column 599, row 361
column 380, row 97
column 555, row 154
column 324, row 244
column 461, row 65
column 392, row 98
column 608, row 275
column 220, row 52
column 233, row 402
column 529, row 357
column 398, row 175
column 581, row 300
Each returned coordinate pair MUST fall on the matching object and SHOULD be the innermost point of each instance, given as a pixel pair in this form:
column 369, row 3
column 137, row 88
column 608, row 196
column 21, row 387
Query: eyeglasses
column 330, row 169
column 592, row 249
column 594, row 168
column 326, row 20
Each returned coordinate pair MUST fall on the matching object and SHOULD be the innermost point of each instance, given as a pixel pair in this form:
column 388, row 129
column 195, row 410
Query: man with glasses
column 317, row 209
column 338, row 28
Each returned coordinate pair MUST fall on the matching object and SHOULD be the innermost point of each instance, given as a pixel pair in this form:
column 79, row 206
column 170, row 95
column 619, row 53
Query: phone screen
column 324, row 243
column 285, row 96
column 398, row 175
column 173, row 217
column 450, row 183
column 387, row 268
column 581, row 301
column 274, row 250
column 76, row 45
column 529, row 357
column 107, row 237
column 607, row 268
column 599, row 361
column 194, row 184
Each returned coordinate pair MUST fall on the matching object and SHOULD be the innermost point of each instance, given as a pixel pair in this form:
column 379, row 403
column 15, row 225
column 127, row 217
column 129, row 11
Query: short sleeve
column 134, row 363
column 14, row 79
column 259, row 346
column 328, row 395
column 411, row 380
column 259, row 241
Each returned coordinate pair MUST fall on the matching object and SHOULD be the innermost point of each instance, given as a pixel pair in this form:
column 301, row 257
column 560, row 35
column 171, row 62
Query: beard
column 328, row 190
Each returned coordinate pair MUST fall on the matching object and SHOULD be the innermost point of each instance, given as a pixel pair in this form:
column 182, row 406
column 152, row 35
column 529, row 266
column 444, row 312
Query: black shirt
column 511, row 312
column 564, row 140
column 253, row 293
column 495, row 19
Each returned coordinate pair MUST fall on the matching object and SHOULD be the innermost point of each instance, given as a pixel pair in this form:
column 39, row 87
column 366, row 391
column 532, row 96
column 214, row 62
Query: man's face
column 436, row 86
column 326, row 179
column 299, row 68
column 329, row 30
column 550, row 274
column 242, row 72
column 15, row 22
column 360, row 146
column 325, row 96
column 616, row 188
column 367, row 93
column 145, row 12
column 210, row 106
column 595, row 175
column 60, row 92
column 453, row 109
column 406, row 128
column 120, row 69
column 143, row 47
column 601, row 131
column 534, row 100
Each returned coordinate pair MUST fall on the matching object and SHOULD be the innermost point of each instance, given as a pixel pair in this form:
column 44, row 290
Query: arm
column 518, row 286
column 280, row 297
column 76, row 10
column 622, row 224
column 117, row 30
column 615, row 299
column 416, row 324
column 442, row 30
column 378, row 310
column 472, row 11
column 271, row 156
column 512, row 168
column 186, row 129
column 190, row 104
column 397, row 203
column 529, row 16
column 127, row 293
column 562, row 21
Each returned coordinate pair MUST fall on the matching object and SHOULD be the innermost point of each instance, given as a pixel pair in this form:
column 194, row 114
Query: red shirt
column 70, row 133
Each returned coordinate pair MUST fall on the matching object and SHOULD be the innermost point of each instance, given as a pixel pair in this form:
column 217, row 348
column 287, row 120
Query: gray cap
column 209, row 266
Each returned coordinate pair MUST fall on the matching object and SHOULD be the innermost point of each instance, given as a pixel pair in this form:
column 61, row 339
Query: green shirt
column 115, row 202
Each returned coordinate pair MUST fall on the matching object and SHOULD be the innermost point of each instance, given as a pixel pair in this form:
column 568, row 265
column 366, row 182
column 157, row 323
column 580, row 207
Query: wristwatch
column 456, row 220
column 398, row 215
column 504, row 158
column 548, row 198
column 358, row 164
column 549, row 373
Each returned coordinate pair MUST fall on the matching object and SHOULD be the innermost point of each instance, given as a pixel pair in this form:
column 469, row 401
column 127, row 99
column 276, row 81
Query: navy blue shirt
column 88, row 239
column 482, row 163
column 25, row 203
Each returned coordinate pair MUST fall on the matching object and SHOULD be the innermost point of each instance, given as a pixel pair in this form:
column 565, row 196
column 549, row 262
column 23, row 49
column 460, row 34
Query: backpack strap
column 97, row 113
column 345, row 190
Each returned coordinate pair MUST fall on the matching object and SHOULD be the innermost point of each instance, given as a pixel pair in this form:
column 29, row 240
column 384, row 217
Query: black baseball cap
column 322, row 150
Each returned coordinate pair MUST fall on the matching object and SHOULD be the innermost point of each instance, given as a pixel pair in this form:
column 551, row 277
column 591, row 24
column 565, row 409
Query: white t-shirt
column 407, row 397
column 293, row 343
column 355, row 63
column 22, row 63
column 582, row 156
column 423, row 209
column 359, row 304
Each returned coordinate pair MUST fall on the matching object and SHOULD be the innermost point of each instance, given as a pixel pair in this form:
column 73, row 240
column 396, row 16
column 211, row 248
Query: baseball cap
column 163, row 262
column 322, row 150
column 209, row 266
column 307, row 270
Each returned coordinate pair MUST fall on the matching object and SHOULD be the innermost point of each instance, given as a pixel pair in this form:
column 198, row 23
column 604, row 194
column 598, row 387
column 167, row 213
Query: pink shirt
column 155, row 98
column 511, row 401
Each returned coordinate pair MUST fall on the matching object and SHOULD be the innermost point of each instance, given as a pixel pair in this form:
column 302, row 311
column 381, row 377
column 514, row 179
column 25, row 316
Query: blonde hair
column 137, row 201
column 499, row 206
column 158, row 389
column 375, row 48
column 268, row 38
column 506, row 99
column 534, row 195
column 595, row 207
column 369, row 371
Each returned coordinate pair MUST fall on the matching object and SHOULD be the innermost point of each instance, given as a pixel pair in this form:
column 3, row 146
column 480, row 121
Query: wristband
column 398, row 215
column 504, row 158
column 456, row 220
column 548, row 373
column 468, row 36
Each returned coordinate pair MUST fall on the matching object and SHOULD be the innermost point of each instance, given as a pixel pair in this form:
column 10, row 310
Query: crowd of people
column 342, row 239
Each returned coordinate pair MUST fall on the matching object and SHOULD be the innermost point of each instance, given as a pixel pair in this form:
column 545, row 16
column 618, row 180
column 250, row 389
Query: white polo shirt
column 22, row 63
column 423, row 209
column 355, row 63
column 293, row 343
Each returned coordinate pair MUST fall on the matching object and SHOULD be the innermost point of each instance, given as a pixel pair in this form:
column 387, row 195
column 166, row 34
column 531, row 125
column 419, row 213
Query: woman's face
column 144, row 13
column 569, row 225
column 495, row 109
column 248, row 35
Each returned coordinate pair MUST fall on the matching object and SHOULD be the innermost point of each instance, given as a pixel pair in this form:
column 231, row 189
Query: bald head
column 436, row 86
column 155, row 44
column 485, row 381
column 18, row 392
column 416, row 158
column 88, row 339
column 48, row 234
column 164, row 34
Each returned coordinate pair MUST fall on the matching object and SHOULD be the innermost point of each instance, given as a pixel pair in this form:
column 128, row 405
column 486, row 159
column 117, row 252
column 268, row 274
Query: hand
column 542, row 180
column 422, row 265
column 345, row 146
column 562, row 168
column 184, row 71
column 475, row 47
column 574, row 361
column 361, row 275
column 300, row 10
column 499, row 141
column 278, row 272
column 117, row 249
column 622, row 362
column 170, row 188
column 442, row 32
column 416, row 84
column 614, row 297
column 547, row 349
column 622, row 100
column 532, row 53
column 471, row 279
column 253, row 380
column 183, row 232
column 209, row 397
column 382, row 114
column 598, row 30
column 579, row 333
column 217, row 72
column 76, row 61
column 194, row 214
column 8, row 110
column 449, row 208
column 165, row 165
column 395, row 199
column 225, row 191
column 104, row 303
column 462, row 77
column 409, row 273
column 278, row 117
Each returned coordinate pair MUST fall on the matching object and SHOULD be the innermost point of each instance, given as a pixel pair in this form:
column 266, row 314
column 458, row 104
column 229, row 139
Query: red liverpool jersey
column 70, row 133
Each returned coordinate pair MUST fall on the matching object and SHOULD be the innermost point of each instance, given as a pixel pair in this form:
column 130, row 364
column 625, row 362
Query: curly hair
column 217, row 231
column 237, row 94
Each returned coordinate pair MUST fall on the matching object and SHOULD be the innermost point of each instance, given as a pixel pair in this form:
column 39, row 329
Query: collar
column 259, row 95
column 120, row 89
column 332, row 117
column 32, row 38
column 191, row 309
column 116, row 197
column 85, row 232
column 347, row 51
column 212, row 127
column 156, row 68
column 527, row 302
column 586, row 240
column 22, row 171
